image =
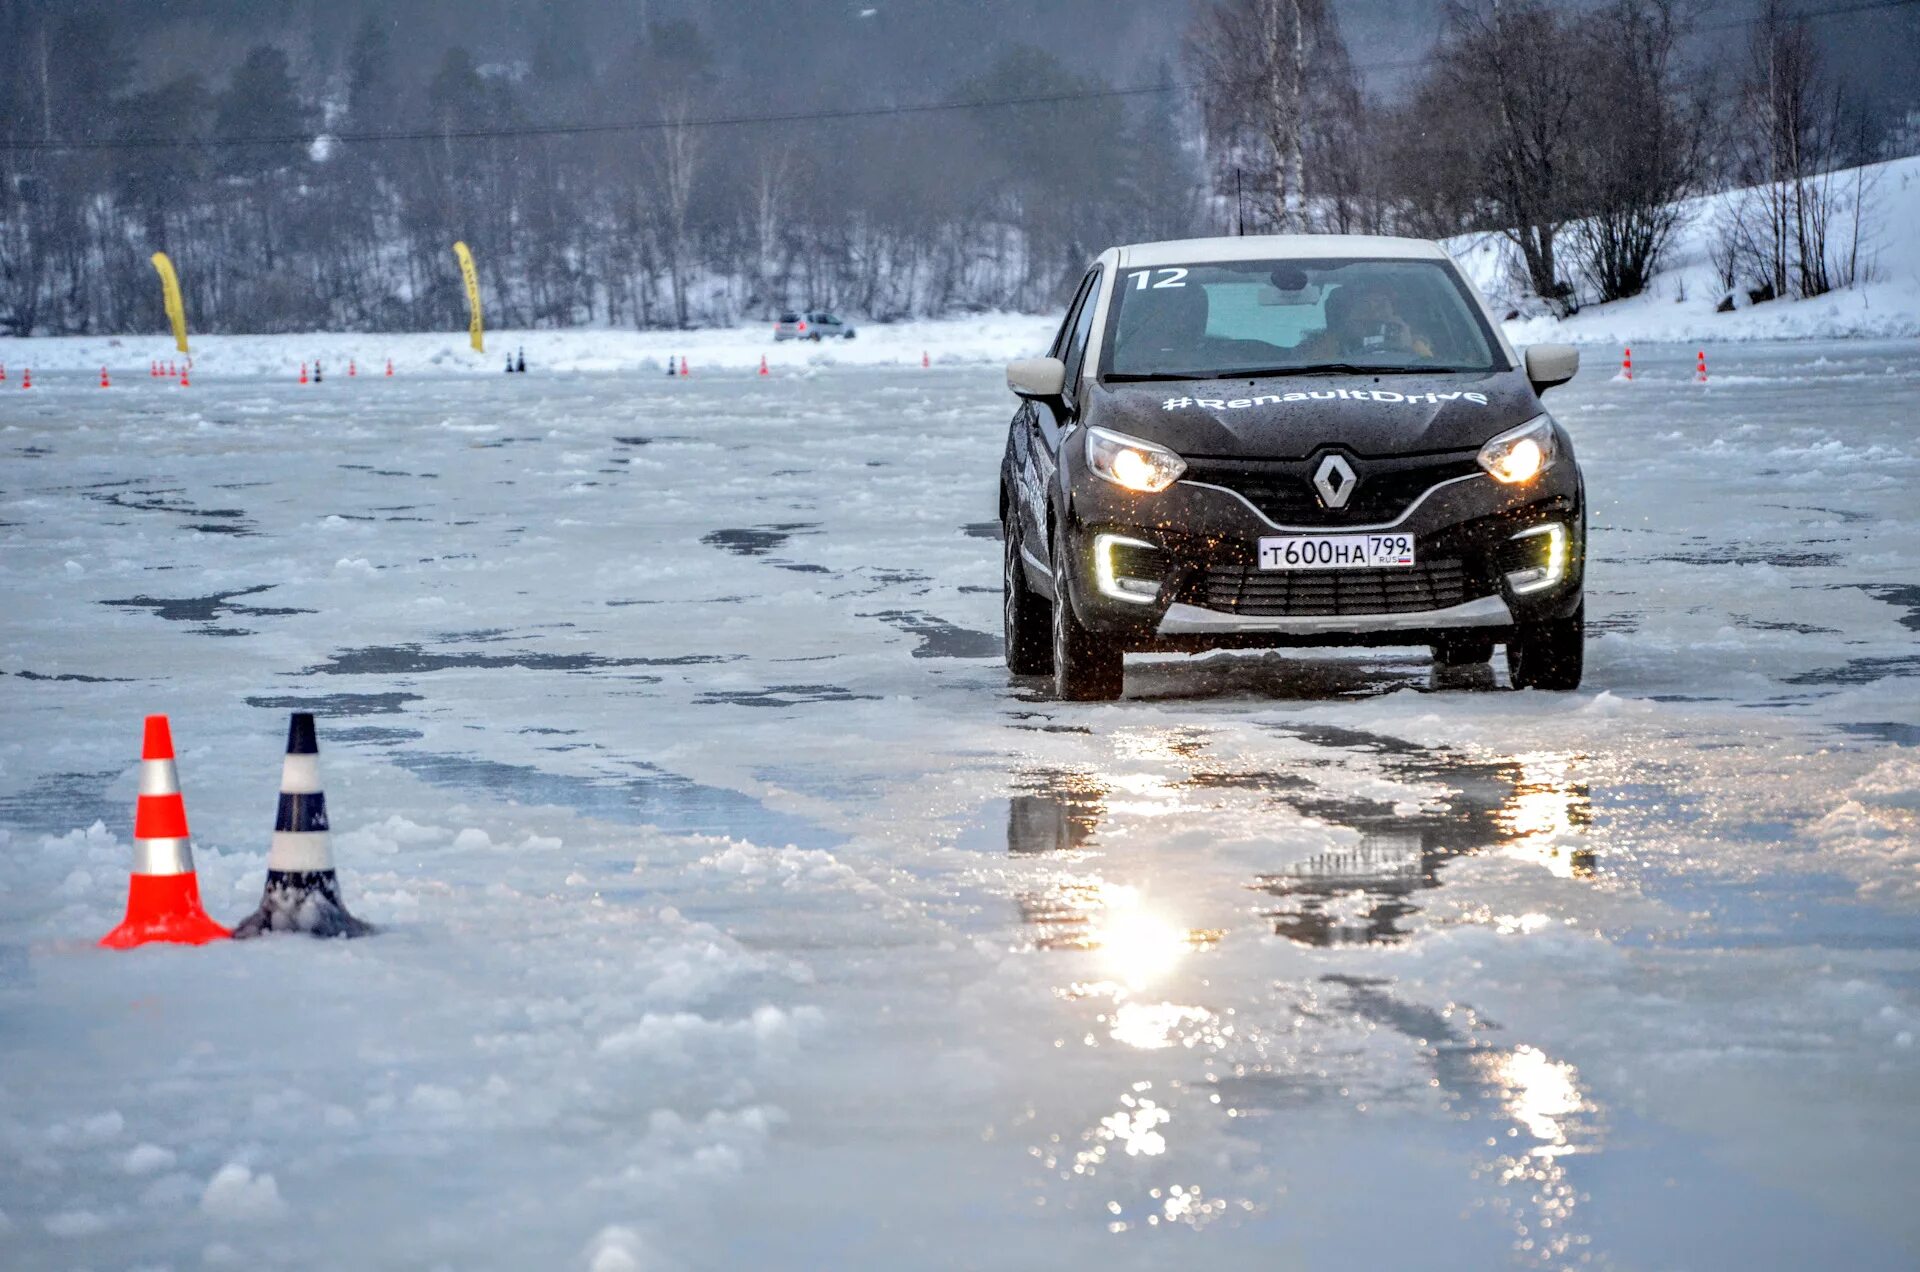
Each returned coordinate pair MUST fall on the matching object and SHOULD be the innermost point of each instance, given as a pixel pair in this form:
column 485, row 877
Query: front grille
column 1237, row 589
column 1284, row 493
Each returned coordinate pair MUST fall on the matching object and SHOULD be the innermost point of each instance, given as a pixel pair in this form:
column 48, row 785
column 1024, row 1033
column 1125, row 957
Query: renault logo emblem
column 1334, row 480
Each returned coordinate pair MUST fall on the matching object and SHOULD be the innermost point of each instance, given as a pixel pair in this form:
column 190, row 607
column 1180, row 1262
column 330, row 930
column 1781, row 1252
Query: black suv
column 1258, row 442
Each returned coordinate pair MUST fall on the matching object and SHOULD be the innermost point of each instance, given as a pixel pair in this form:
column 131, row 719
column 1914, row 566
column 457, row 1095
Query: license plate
column 1336, row 552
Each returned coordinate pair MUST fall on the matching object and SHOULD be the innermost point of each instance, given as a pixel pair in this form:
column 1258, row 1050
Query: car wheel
column 1462, row 651
column 1026, row 617
column 1085, row 667
column 815, row 337
column 1549, row 655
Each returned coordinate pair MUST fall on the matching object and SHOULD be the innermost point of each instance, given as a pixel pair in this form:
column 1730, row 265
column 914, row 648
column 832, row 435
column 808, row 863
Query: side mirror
column 1549, row 365
column 1037, row 377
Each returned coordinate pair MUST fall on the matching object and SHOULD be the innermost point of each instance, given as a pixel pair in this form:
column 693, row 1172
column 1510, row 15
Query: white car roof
column 1263, row 247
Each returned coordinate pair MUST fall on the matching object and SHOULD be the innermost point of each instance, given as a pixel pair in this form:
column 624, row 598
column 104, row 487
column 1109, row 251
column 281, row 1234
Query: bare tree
column 1266, row 69
column 1641, row 145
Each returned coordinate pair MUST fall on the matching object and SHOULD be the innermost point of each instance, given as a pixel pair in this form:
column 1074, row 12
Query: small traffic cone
column 670, row 370
column 509, row 364
column 186, row 366
column 389, row 368
column 163, row 896
column 316, row 370
column 1626, row 364
column 352, row 371
column 520, row 367
column 153, row 368
column 303, row 373
column 925, row 361
column 104, row 382
column 303, row 893
column 3, row 373
column 26, row 378
column 684, row 373
column 1700, row 372
column 763, row 364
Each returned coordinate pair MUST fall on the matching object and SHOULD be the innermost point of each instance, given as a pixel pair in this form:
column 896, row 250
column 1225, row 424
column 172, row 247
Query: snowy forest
column 660, row 164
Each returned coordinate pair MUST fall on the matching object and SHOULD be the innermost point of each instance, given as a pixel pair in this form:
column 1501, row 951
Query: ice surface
column 737, row 911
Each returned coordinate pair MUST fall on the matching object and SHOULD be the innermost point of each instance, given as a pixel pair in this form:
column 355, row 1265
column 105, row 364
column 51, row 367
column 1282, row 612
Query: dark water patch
column 970, row 590
column 1333, row 735
column 1860, row 671
column 1766, row 625
column 339, row 704
column 802, row 567
column 408, row 518
column 77, row 678
column 783, row 696
column 939, row 638
column 397, row 660
column 893, row 578
column 756, row 541
column 542, row 729
column 1904, row 595
column 1886, row 731
column 59, row 802
column 206, row 609
column 790, row 472
column 170, row 500
column 1621, row 623
column 1842, row 514
column 644, row 796
column 351, row 516
column 374, row 735
column 1783, row 558
column 32, row 452
column 634, row 441
column 981, row 530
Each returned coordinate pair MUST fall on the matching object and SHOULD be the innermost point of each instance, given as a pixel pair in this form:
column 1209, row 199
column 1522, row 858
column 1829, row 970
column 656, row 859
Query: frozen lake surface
column 739, row 911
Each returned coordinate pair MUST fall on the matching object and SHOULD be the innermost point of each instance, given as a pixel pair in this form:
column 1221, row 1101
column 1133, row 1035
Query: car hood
column 1290, row 417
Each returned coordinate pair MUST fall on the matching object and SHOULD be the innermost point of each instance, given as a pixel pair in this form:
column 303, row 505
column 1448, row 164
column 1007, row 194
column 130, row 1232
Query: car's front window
column 1276, row 317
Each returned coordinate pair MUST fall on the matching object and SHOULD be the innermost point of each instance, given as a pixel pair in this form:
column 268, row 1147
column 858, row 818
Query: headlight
column 1520, row 454
column 1132, row 464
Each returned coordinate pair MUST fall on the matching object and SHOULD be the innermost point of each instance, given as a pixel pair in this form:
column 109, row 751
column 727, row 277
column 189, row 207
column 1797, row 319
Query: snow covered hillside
column 1679, row 306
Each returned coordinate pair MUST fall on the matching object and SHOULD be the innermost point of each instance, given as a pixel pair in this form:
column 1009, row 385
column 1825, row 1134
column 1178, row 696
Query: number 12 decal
column 1170, row 278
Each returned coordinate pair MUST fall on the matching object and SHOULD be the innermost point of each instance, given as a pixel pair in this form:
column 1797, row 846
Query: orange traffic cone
column 303, row 373
column 925, row 361
column 389, row 366
column 1626, row 364
column 3, row 373
column 303, row 892
column 186, row 366
column 1700, row 372
column 684, row 373
column 351, row 371
column 104, row 382
column 163, row 897
column 763, row 364
column 26, row 378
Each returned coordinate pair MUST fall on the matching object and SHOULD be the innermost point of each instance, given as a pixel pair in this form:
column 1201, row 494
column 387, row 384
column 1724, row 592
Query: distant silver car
column 815, row 324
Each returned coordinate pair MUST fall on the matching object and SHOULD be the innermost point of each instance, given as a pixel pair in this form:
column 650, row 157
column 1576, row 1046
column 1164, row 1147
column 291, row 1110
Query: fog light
column 1106, row 574
column 1538, row 578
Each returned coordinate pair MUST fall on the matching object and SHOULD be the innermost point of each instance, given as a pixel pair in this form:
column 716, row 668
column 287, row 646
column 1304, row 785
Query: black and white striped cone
column 303, row 894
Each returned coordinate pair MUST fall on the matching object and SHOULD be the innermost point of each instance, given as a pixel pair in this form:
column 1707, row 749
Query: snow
column 1679, row 305
column 736, row 909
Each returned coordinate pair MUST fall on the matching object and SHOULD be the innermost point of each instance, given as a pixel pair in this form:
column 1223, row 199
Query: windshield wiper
column 1135, row 377
column 1333, row 368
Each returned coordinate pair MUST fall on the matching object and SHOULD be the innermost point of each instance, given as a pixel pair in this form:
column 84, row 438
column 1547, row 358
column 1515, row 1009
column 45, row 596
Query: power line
column 791, row 117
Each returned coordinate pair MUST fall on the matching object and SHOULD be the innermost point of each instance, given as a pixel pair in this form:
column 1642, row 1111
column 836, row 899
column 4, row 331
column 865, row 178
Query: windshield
column 1252, row 318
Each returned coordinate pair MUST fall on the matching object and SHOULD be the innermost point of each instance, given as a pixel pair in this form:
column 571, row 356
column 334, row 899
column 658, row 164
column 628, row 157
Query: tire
column 1085, row 667
column 1026, row 617
column 1549, row 655
column 1462, row 650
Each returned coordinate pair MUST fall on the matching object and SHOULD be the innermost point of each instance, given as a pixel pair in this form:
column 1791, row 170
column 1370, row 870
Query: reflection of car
column 1257, row 442
column 815, row 324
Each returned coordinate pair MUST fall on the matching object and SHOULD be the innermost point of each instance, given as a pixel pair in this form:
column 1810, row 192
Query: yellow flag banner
column 472, row 280
column 170, row 291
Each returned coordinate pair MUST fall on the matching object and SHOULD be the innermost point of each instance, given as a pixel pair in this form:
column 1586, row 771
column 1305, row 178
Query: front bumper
column 1187, row 565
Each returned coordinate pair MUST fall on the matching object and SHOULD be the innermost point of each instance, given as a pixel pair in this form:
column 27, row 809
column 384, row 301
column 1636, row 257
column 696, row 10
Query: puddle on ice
column 339, row 705
column 646, row 796
column 207, row 609
column 981, row 530
column 756, row 541
column 1905, row 596
column 782, row 696
column 1859, row 671
column 379, row 660
column 60, row 802
column 938, row 637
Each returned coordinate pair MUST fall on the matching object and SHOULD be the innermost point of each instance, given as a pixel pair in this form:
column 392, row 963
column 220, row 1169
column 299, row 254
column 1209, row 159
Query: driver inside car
column 1362, row 320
